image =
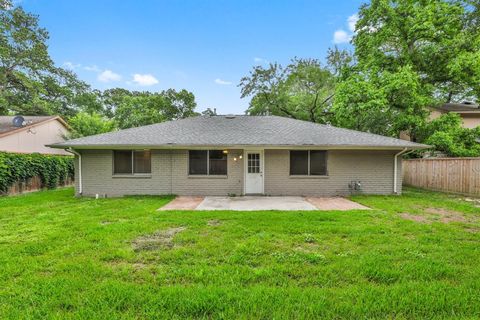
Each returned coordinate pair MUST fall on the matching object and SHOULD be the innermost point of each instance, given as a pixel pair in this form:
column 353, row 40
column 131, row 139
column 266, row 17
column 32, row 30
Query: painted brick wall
column 373, row 168
column 170, row 175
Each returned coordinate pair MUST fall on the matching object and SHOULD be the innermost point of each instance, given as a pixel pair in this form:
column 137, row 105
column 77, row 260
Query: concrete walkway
column 255, row 203
column 250, row 203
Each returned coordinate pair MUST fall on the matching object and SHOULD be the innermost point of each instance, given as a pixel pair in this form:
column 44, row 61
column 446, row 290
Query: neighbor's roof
column 459, row 107
column 237, row 131
column 7, row 127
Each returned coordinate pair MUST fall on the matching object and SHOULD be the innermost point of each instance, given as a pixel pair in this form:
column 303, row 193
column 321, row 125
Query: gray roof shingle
column 231, row 131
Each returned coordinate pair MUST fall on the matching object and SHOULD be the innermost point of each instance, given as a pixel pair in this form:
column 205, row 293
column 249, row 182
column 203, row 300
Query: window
column 122, row 162
column 207, row 162
column 308, row 163
column 253, row 163
column 217, row 162
column 142, row 162
column 132, row 162
column 318, row 163
column 298, row 163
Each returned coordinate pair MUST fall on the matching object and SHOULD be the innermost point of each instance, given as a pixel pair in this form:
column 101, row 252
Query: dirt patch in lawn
column 156, row 240
column 446, row 216
column 416, row 218
column 214, row 222
column 436, row 214
column 472, row 229
column 107, row 222
column 474, row 201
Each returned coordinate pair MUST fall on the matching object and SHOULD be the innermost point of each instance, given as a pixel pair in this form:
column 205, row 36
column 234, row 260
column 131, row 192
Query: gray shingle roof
column 231, row 131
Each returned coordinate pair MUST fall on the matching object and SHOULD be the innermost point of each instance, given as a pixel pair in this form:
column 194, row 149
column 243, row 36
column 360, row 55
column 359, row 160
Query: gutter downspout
column 80, row 188
column 395, row 169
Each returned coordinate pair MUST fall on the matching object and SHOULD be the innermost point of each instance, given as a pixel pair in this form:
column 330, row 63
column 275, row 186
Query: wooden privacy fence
column 460, row 175
column 33, row 184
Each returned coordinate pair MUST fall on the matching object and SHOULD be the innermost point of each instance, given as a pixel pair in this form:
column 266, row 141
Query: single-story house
column 29, row 134
column 237, row 155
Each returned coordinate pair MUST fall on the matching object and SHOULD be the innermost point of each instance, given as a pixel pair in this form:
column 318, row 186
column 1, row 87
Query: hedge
column 52, row 170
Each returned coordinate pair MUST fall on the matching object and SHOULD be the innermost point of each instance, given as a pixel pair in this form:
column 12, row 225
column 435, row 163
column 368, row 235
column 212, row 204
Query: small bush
column 52, row 170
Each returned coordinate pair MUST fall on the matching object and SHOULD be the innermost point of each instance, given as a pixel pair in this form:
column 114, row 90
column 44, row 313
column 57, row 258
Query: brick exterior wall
column 170, row 175
column 373, row 168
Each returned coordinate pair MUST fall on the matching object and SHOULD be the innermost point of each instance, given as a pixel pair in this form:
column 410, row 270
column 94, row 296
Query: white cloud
column 260, row 60
column 109, row 76
column 92, row 68
column 71, row 66
column 144, row 79
column 222, row 82
column 352, row 21
column 340, row 36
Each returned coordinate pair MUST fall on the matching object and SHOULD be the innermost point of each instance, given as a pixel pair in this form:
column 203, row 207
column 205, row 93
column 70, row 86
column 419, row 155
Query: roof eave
column 296, row 146
column 29, row 126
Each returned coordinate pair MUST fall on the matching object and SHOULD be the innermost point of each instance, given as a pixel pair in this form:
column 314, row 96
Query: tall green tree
column 302, row 90
column 409, row 54
column 133, row 109
column 30, row 83
column 86, row 124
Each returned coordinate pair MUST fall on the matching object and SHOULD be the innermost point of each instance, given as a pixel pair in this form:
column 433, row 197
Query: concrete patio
column 251, row 203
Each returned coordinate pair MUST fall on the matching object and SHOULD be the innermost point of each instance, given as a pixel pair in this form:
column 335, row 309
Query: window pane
column 218, row 162
column 253, row 163
column 197, row 161
column 318, row 163
column 142, row 162
column 298, row 162
column 122, row 162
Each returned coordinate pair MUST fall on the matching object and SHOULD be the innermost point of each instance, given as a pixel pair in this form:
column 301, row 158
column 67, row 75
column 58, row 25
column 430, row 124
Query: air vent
column 230, row 116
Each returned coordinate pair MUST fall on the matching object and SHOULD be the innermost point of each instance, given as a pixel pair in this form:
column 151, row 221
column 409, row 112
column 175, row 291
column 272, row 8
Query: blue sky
column 202, row 46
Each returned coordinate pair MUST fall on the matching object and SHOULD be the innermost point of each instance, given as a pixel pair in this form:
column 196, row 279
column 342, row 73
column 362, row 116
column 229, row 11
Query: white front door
column 254, row 172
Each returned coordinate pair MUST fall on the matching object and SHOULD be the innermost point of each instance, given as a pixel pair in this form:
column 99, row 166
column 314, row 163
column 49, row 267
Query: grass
column 62, row 257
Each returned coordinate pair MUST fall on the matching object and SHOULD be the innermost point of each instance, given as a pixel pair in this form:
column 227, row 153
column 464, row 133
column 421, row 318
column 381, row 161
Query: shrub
column 52, row 170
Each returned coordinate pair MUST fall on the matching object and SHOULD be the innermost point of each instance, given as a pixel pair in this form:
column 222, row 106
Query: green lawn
column 62, row 257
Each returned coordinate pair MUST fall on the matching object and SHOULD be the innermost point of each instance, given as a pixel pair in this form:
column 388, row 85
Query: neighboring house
column 32, row 134
column 469, row 112
column 221, row 155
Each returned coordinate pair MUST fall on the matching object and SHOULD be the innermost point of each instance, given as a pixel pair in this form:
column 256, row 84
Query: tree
column 436, row 38
column 412, row 54
column 133, row 109
column 302, row 90
column 30, row 83
column 86, row 124
column 384, row 102
column 447, row 135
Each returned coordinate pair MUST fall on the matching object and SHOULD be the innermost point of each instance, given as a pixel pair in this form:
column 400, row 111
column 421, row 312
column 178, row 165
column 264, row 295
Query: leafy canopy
column 30, row 83
column 447, row 135
column 86, row 124
column 301, row 90
column 409, row 55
